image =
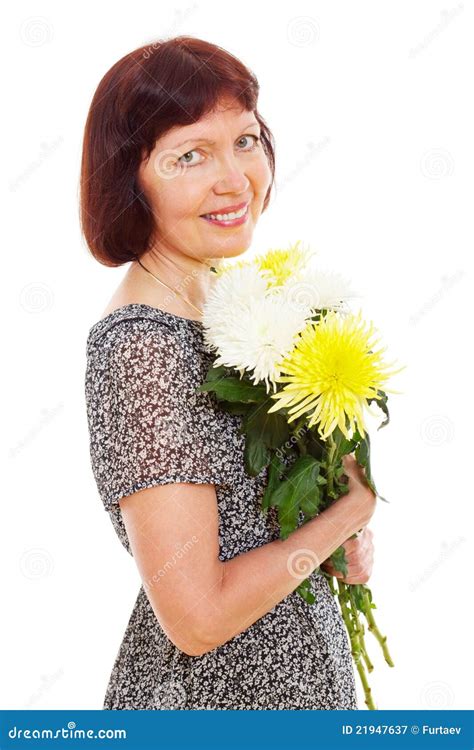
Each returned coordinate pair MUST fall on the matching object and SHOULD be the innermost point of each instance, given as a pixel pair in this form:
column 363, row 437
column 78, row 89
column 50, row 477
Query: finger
column 362, row 544
column 333, row 572
column 359, row 549
column 351, row 546
column 362, row 569
column 359, row 560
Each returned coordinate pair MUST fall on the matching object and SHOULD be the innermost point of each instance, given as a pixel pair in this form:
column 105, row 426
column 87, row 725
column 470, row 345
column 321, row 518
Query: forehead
column 212, row 125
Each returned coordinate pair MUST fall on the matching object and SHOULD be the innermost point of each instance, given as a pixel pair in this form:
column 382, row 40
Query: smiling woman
column 177, row 168
column 157, row 105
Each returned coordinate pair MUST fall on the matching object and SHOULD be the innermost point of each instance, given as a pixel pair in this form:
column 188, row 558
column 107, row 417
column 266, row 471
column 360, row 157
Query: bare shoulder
column 127, row 293
column 135, row 290
column 115, row 304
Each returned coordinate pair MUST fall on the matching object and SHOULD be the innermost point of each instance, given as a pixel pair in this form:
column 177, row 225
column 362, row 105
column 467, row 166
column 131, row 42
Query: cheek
column 178, row 200
column 262, row 176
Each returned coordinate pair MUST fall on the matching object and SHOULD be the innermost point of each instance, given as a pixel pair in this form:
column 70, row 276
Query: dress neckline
column 133, row 307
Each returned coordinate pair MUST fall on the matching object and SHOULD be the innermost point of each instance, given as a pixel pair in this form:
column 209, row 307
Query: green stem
column 347, row 615
column 332, row 448
column 382, row 639
column 360, row 629
column 369, row 664
column 330, row 580
column 298, row 438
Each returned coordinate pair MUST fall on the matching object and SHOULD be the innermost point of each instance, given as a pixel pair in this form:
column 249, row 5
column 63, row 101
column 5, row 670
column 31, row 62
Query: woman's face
column 187, row 176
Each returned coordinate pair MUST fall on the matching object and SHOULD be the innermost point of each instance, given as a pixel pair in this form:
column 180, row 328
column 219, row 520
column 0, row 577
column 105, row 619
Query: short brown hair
column 145, row 94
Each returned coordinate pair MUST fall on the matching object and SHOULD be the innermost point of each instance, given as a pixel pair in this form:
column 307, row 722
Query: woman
column 177, row 168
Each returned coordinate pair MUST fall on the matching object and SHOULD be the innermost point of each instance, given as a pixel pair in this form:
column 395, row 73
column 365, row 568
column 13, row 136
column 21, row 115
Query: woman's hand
column 359, row 556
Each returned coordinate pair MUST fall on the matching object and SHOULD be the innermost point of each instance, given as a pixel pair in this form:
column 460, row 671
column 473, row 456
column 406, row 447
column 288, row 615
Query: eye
column 255, row 143
column 183, row 159
column 189, row 163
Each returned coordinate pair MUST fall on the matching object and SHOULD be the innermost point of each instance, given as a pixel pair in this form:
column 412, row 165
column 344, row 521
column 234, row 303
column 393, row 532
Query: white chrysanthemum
column 317, row 289
column 233, row 288
column 253, row 328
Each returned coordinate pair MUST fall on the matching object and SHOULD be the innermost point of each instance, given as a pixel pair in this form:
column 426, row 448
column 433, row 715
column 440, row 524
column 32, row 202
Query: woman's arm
column 253, row 583
column 201, row 601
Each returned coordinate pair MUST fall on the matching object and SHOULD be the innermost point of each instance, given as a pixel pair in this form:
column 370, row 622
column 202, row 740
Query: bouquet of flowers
column 300, row 368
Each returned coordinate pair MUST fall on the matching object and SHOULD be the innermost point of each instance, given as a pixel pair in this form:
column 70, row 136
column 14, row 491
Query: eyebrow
column 206, row 140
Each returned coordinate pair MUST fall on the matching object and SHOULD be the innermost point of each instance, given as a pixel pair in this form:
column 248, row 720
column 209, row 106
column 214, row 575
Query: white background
column 370, row 107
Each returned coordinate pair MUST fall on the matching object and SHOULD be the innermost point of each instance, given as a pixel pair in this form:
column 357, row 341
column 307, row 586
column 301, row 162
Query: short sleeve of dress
column 154, row 427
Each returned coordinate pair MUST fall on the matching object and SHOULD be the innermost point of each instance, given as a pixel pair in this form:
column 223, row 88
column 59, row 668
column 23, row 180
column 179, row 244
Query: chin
column 232, row 252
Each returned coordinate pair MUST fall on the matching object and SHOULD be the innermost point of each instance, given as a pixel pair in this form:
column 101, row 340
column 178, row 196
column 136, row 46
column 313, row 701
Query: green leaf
column 310, row 503
column 288, row 516
column 263, row 432
column 271, row 429
column 382, row 403
column 344, row 446
column 315, row 446
column 215, row 373
column 234, row 389
column 358, row 594
column 362, row 454
column 298, row 491
column 256, row 455
column 339, row 561
column 275, row 471
column 304, row 591
column 234, row 407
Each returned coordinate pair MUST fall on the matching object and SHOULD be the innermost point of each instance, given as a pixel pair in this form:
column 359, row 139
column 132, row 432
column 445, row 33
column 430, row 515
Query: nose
column 232, row 177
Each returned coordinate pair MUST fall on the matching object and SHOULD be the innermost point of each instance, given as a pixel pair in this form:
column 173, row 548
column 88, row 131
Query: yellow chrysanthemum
column 279, row 265
column 225, row 264
column 331, row 372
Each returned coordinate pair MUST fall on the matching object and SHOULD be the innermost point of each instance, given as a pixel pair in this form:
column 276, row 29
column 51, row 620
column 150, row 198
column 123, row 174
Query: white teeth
column 228, row 217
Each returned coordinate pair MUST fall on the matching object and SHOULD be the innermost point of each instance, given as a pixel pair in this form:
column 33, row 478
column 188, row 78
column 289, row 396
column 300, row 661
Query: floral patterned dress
column 148, row 426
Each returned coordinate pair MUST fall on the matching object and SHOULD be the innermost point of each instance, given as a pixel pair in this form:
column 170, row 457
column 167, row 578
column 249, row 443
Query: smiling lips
column 231, row 216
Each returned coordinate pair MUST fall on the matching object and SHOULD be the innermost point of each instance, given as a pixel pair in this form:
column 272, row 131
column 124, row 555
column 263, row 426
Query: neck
column 189, row 276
